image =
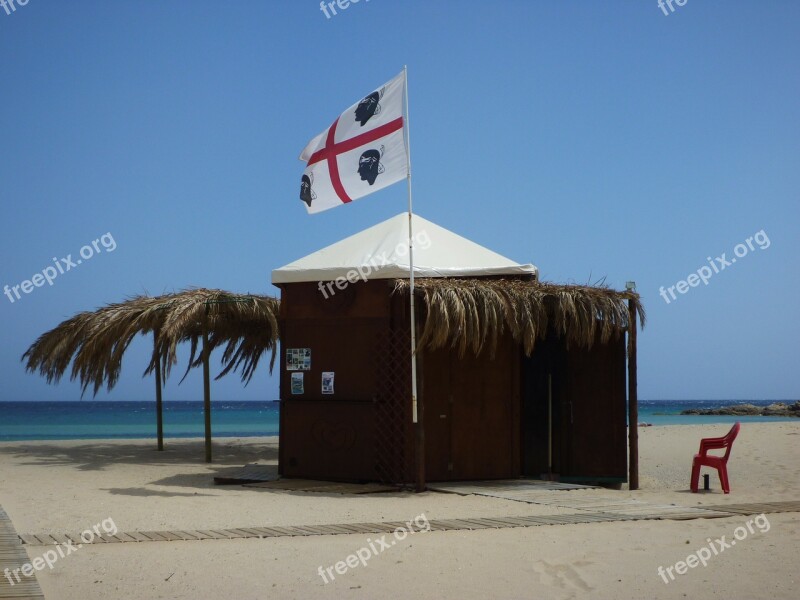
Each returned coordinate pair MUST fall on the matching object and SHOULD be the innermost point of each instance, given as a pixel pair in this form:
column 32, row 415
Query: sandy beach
column 57, row 487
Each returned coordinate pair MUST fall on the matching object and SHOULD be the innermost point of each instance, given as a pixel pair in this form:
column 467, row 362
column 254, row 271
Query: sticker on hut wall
column 298, row 359
column 327, row 382
column 297, row 383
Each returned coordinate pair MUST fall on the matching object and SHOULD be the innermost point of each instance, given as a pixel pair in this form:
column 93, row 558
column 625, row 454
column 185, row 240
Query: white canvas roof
column 381, row 252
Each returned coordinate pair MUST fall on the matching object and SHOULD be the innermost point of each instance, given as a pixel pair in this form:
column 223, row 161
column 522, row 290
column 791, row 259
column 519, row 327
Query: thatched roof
column 247, row 326
column 461, row 314
column 472, row 314
column 94, row 342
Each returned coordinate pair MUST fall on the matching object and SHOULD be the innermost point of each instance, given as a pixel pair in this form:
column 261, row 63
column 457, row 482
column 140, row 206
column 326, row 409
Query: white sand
column 69, row 486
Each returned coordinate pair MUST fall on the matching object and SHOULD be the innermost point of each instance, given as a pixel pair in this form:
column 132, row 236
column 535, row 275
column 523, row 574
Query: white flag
column 362, row 152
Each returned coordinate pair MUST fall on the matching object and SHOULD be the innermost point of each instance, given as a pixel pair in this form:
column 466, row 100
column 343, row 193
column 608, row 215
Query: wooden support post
column 633, row 401
column 159, row 405
column 207, row 386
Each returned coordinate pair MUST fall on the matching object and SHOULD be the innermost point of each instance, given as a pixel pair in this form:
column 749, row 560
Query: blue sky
column 597, row 140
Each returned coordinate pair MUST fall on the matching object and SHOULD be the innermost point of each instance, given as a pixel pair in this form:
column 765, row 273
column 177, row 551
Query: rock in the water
column 776, row 409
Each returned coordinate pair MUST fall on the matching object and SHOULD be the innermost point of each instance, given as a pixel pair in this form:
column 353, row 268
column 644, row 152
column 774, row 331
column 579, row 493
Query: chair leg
column 695, row 475
column 723, row 479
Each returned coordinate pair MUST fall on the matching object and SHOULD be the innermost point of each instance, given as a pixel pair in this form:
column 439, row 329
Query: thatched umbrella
column 246, row 325
column 95, row 342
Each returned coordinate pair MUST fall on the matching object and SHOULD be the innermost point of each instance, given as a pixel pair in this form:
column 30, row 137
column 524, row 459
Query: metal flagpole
column 419, row 434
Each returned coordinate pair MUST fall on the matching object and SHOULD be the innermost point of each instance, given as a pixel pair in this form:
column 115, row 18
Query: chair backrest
column 729, row 437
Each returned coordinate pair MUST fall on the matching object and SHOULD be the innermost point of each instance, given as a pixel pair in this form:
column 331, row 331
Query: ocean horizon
column 119, row 419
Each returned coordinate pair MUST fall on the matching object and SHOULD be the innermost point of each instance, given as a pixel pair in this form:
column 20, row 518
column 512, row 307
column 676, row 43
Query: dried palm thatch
column 95, row 342
column 472, row 314
column 53, row 351
column 247, row 326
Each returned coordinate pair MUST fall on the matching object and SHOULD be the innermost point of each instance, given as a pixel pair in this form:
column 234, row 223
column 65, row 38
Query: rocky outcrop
column 776, row 409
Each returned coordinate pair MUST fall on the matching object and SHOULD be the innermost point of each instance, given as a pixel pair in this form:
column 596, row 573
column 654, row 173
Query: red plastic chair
column 720, row 463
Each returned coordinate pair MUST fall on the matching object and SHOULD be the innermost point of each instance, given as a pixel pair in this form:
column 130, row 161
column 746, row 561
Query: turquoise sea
column 107, row 420
column 127, row 420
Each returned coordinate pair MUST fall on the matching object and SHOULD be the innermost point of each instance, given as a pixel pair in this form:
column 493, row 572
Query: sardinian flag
column 362, row 152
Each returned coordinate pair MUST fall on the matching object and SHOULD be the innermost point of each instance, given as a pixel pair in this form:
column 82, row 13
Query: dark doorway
column 573, row 411
column 541, row 412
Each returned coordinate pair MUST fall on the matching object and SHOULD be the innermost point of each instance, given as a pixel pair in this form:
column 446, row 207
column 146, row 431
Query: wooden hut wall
column 484, row 418
column 471, row 413
column 595, row 387
column 345, row 435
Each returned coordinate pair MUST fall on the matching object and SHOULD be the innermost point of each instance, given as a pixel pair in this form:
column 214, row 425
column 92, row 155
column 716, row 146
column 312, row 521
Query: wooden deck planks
column 327, row 487
column 475, row 524
column 756, row 508
column 551, row 494
column 505, row 486
column 595, row 510
column 13, row 556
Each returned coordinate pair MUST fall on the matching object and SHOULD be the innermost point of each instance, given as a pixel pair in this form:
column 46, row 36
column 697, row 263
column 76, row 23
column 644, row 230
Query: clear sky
column 597, row 140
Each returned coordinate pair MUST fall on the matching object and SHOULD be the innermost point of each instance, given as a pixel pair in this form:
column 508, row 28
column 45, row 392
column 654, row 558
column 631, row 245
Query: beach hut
column 515, row 377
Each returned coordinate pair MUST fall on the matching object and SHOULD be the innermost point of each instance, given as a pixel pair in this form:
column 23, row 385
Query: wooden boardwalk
column 505, row 486
column 548, row 493
column 328, row 487
column 13, row 556
column 586, row 515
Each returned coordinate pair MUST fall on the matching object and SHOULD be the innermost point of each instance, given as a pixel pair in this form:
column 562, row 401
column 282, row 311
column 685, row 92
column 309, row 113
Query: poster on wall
column 298, row 359
column 327, row 382
column 297, row 383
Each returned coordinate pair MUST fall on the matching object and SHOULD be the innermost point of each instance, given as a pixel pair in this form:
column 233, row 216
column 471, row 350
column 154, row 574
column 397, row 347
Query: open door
column 573, row 412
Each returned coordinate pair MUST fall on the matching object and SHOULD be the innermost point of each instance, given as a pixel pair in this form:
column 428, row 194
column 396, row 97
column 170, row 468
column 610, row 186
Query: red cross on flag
column 362, row 152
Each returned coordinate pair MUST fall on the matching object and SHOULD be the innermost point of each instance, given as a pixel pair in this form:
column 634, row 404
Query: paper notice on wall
column 298, row 359
column 297, row 383
column 327, row 382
